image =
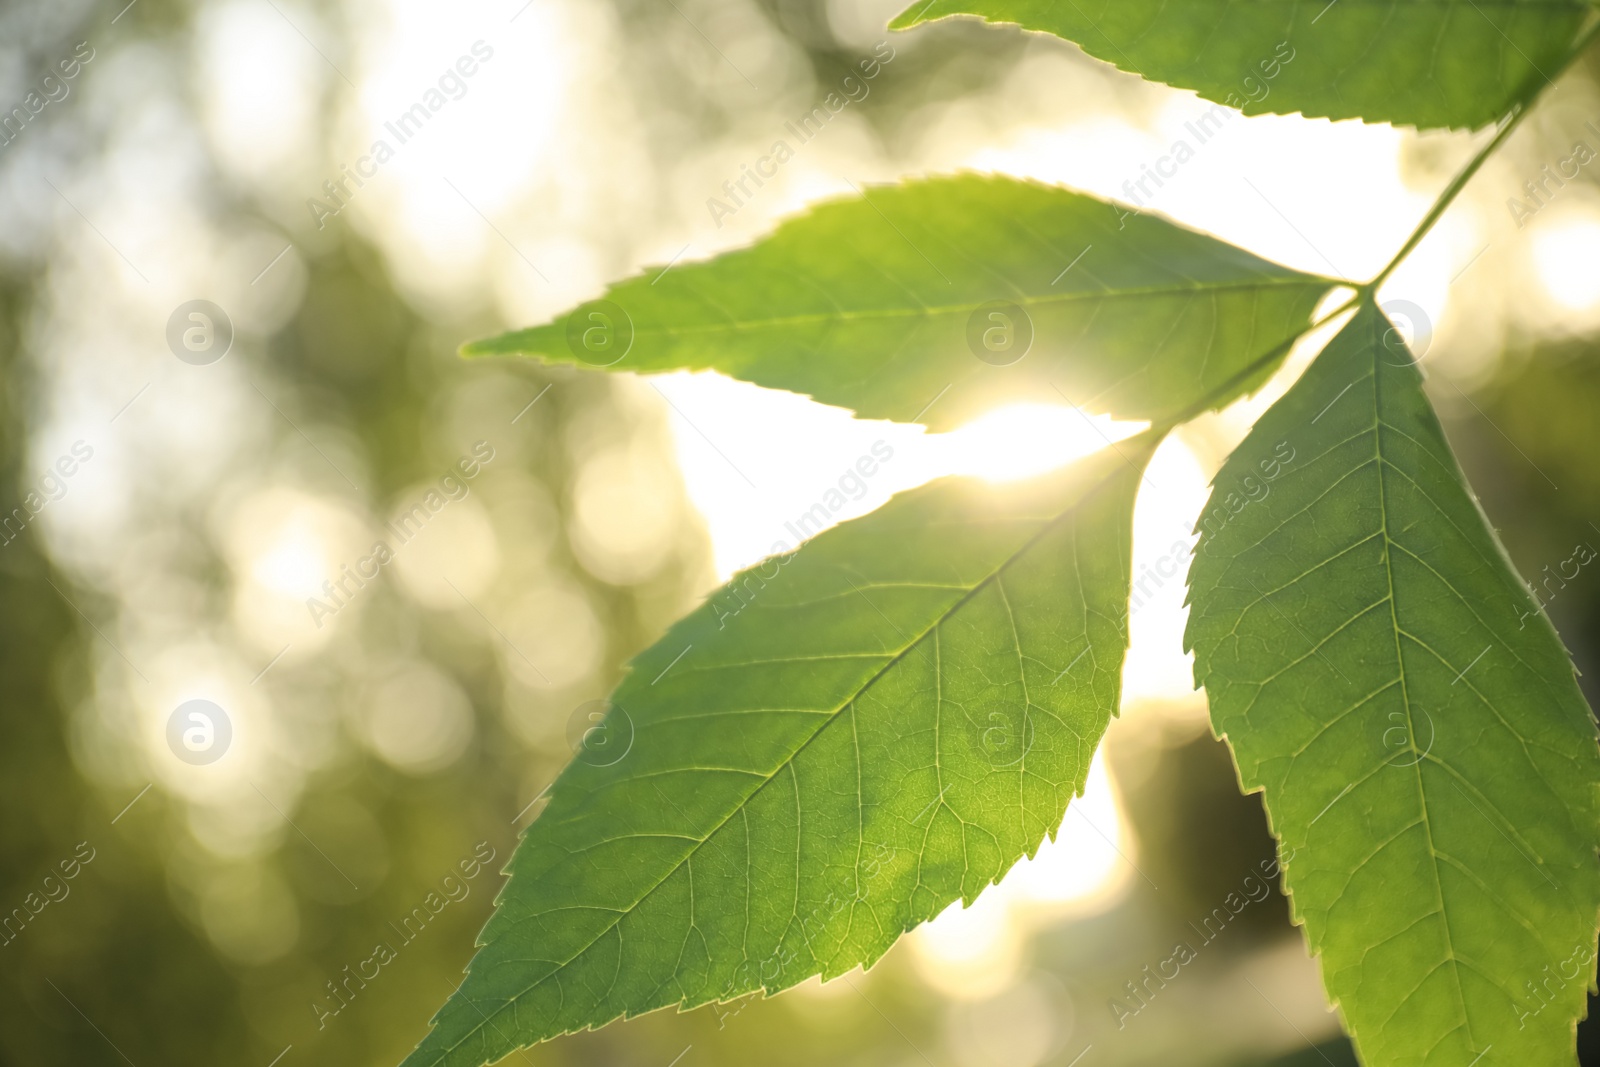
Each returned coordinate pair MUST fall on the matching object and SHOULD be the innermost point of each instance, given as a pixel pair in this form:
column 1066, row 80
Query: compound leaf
column 1427, row 759
column 1424, row 63
column 938, row 300
column 832, row 749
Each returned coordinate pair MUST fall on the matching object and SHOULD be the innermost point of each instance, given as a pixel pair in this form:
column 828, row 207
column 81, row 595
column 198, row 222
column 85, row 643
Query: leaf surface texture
column 832, row 749
column 881, row 302
column 1428, row 762
column 1424, row 63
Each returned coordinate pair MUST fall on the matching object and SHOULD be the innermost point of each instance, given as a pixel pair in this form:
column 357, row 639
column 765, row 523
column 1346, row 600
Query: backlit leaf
column 1427, row 760
column 835, row 747
column 938, row 300
column 1425, row 63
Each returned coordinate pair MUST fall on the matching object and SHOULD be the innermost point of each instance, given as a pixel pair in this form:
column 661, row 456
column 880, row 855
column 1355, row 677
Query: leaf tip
column 527, row 342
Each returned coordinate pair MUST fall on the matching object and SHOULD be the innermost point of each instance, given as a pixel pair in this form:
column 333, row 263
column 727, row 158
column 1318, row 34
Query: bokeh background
column 212, row 903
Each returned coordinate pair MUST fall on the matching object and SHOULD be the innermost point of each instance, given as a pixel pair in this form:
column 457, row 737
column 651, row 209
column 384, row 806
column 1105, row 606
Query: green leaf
column 831, row 750
column 1427, row 759
column 1425, row 63
column 882, row 303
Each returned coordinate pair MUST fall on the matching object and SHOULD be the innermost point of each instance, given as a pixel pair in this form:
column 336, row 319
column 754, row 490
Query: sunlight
column 735, row 445
column 283, row 544
column 1563, row 256
column 1084, row 868
column 261, row 85
column 1023, row 440
column 1174, row 492
column 295, row 566
column 971, row 953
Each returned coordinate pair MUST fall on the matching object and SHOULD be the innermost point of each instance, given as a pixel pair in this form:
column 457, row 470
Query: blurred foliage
column 1534, row 435
column 1198, row 834
column 1528, row 441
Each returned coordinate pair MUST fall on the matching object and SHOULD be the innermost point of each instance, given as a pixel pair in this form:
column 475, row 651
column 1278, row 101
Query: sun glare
column 974, row 952
column 1563, row 256
column 1023, row 440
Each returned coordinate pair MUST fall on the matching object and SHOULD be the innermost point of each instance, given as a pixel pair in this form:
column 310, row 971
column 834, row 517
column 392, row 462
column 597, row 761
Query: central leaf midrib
column 1405, row 690
column 1573, row 5
column 1290, row 281
column 788, row 760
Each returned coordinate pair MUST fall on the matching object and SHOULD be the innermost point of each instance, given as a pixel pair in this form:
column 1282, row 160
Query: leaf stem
column 1508, row 125
column 1365, row 293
